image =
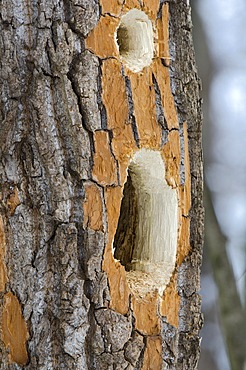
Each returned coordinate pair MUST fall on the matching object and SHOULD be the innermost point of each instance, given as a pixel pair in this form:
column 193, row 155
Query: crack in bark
column 182, row 156
column 100, row 103
column 110, row 135
column 160, row 115
column 131, row 115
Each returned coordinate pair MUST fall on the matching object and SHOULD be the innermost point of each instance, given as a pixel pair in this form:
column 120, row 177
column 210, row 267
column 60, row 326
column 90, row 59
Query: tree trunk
column 101, row 216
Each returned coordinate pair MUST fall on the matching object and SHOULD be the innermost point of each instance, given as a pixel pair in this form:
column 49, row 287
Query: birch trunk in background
column 87, row 88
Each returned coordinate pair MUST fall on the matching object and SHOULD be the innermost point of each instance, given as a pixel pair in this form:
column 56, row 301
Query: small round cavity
column 135, row 40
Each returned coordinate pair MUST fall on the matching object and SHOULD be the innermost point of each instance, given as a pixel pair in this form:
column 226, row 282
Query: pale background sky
column 224, row 80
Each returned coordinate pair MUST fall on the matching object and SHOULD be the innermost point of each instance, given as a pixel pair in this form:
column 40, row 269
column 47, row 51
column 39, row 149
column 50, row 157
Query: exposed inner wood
column 104, row 169
column 118, row 118
column 169, row 305
column 144, row 98
column 13, row 200
column 152, row 355
column 125, row 236
column 93, row 208
column 122, row 209
column 14, row 330
column 3, row 270
column 119, row 289
column 146, row 238
column 135, row 40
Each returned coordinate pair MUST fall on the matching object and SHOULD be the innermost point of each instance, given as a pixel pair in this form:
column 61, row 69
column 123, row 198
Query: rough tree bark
column 72, row 117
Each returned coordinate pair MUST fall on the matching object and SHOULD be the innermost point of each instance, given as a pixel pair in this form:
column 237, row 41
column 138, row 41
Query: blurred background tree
column 219, row 30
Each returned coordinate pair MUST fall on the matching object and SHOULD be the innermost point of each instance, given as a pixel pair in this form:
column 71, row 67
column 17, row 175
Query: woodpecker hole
column 146, row 237
column 135, row 40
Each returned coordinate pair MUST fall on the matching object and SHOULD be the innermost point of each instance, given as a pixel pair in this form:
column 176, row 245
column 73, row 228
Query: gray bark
column 50, row 107
column 186, row 84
